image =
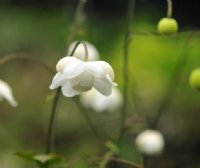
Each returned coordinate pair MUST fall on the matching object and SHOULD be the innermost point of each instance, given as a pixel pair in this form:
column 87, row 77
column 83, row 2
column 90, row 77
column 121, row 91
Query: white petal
column 83, row 82
column 100, row 69
column 58, row 80
column 68, row 91
column 103, row 85
column 6, row 92
column 100, row 103
column 74, row 69
column 62, row 63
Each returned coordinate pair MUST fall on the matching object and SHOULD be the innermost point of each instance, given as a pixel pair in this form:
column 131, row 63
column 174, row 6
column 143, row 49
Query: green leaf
column 112, row 147
column 26, row 155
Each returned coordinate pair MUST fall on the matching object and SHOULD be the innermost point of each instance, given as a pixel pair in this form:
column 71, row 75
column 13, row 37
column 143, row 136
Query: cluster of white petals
column 99, row 103
column 76, row 76
column 150, row 142
column 93, row 54
column 6, row 93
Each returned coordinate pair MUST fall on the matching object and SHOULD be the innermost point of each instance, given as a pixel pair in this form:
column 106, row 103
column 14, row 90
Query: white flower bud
column 93, row 54
column 6, row 93
column 76, row 76
column 150, row 142
column 100, row 103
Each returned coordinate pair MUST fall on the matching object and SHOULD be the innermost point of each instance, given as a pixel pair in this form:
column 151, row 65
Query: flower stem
column 75, row 25
column 86, row 51
column 169, row 8
column 85, row 48
column 22, row 56
column 78, row 20
column 126, row 162
column 173, row 82
column 51, row 122
column 84, row 111
column 127, row 38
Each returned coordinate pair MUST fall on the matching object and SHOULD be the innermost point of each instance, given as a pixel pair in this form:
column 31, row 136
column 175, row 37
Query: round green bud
column 167, row 26
column 194, row 79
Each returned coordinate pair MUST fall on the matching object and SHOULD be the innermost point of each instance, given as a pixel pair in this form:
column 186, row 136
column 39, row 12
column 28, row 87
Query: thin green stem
column 85, row 48
column 74, row 49
column 51, row 122
column 173, row 82
column 169, row 8
column 127, row 39
column 74, row 28
column 22, row 56
column 85, row 114
column 126, row 162
column 79, row 18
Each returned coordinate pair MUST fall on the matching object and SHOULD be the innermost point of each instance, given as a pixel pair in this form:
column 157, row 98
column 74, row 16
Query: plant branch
column 85, row 114
column 173, row 82
column 78, row 20
column 74, row 28
column 51, row 122
column 169, row 8
column 22, row 56
column 126, row 162
column 127, row 39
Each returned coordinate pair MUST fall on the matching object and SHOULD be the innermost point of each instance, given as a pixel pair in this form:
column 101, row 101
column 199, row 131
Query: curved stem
column 126, row 162
column 86, row 116
column 74, row 29
column 78, row 20
column 173, row 83
column 127, row 39
column 85, row 48
column 86, row 51
column 51, row 122
column 169, row 8
column 23, row 56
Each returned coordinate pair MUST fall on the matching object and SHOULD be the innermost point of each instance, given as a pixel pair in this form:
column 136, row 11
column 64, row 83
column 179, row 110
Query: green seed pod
column 194, row 79
column 167, row 26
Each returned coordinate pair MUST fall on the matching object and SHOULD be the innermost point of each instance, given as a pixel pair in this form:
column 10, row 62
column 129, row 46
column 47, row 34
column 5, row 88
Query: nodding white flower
column 76, row 76
column 150, row 142
column 93, row 54
column 6, row 93
column 100, row 103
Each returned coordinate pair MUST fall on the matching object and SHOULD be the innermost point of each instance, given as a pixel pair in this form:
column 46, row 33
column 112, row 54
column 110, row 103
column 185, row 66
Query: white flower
column 93, row 54
column 100, row 103
column 6, row 93
column 76, row 76
column 150, row 142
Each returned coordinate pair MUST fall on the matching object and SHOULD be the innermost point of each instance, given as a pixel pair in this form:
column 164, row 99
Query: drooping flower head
column 6, row 93
column 93, row 54
column 150, row 142
column 75, row 76
column 99, row 103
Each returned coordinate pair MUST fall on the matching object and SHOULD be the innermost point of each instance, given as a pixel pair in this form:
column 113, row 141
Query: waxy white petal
column 103, row 85
column 66, row 61
column 68, row 91
column 58, row 80
column 83, row 82
column 100, row 69
column 74, row 69
column 6, row 93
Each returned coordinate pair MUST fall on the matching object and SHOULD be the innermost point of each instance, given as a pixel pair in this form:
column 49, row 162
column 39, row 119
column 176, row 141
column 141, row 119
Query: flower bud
column 194, row 79
column 167, row 26
column 150, row 142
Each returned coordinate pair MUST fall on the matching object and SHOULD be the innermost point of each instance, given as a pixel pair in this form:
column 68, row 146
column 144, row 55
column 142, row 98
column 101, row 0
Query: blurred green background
column 40, row 29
